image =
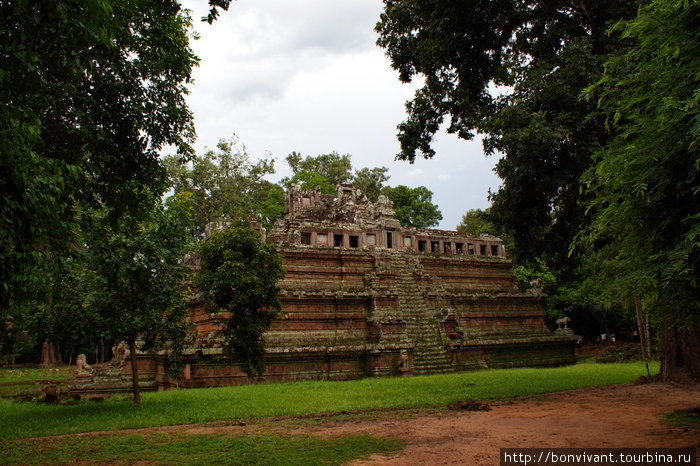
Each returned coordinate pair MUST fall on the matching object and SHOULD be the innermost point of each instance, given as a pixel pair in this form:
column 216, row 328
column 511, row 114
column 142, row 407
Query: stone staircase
column 430, row 355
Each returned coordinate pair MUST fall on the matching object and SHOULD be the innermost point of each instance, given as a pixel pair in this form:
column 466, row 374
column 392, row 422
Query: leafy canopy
column 513, row 71
column 90, row 92
column 413, row 207
column 225, row 184
column 647, row 179
column 238, row 276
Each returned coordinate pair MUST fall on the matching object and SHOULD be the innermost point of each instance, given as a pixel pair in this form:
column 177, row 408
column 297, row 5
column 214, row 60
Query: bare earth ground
column 622, row 416
column 618, row 416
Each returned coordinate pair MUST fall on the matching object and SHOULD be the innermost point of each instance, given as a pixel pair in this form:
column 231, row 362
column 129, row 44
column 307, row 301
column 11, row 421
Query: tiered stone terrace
column 364, row 296
column 359, row 288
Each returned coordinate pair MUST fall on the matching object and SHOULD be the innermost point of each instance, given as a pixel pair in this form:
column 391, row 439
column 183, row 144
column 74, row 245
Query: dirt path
column 617, row 417
column 621, row 416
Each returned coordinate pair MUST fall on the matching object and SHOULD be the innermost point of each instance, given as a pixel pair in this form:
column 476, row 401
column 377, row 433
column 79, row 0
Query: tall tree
column 647, row 214
column 91, row 91
column 512, row 70
column 225, row 184
column 136, row 283
column 413, row 207
column 371, row 181
column 238, row 276
column 476, row 222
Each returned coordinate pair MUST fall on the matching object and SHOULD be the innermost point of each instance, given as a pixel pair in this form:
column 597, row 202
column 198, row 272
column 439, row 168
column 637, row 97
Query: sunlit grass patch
column 21, row 420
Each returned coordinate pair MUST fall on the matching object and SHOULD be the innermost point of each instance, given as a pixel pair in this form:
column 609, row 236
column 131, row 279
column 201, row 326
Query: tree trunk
column 680, row 349
column 134, row 372
column 647, row 330
column 641, row 327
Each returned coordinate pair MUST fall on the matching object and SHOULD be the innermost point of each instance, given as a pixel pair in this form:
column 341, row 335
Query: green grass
column 684, row 418
column 35, row 374
column 184, row 448
column 21, row 420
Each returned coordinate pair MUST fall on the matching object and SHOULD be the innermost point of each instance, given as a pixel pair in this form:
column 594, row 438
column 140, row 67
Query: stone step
column 429, row 353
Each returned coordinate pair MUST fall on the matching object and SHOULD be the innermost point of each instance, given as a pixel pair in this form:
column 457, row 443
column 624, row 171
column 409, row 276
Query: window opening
column 482, row 249
column 354, row 241
column 338, row 241
column 434, row 246
column 422, row 245
column 306, row 238
column 459, row 248
column 494, row 250
column 470, row 248
column 389, row 240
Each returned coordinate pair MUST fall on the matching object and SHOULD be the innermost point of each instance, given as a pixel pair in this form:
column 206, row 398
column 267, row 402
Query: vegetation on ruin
column 225, row 184
column 22, row 420
column 199, row 448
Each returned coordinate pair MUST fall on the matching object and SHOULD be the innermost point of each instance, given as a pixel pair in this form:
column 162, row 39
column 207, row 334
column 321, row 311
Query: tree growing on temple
column 238, row 277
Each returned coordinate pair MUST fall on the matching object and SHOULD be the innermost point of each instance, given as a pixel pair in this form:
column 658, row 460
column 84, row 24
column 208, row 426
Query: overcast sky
column 306, row 76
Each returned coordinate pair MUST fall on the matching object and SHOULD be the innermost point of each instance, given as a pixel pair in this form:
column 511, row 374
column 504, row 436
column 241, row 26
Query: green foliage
column 647, row 178
column 476, row 222
column 325, row 171
column 548, row 283
column 136, row 279
column 91, row 91
column 23, row 420
column 542, row 54
column 224, row 184
column 646, row 216
column 515, row 71
column 525, row 274
column 413, row 207
column 371, row 181
column 310, row 180
column 238, row 275
column 333, row 167
column 272, row 208
column 210, row 448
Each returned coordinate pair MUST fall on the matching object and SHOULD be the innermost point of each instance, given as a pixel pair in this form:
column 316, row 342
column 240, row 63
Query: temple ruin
column 364, row 296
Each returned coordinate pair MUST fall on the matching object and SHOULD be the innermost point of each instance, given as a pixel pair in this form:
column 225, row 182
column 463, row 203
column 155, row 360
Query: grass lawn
column 185, row 448
column 27, row 382
column 34, row 374
column 21, row 420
